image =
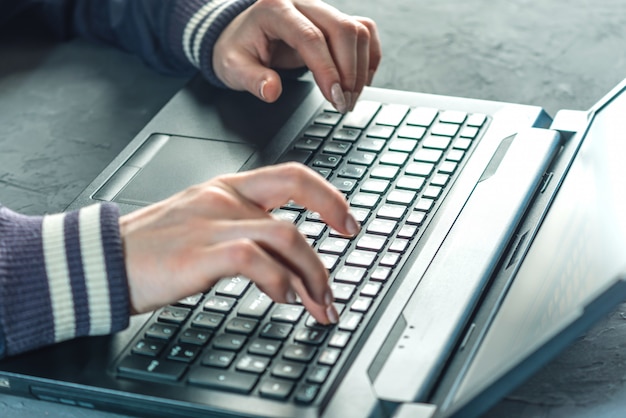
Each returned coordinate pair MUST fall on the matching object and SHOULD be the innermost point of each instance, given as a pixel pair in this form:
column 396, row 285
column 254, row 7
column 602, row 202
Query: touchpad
column 166, row 164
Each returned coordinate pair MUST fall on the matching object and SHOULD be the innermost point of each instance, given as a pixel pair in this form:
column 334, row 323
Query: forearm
column 61, row 276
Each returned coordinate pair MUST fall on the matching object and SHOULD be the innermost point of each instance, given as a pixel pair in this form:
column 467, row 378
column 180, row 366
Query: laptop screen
column 579, row 253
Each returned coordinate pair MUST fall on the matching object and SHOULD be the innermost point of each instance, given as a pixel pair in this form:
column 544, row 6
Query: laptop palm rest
column 167, row 164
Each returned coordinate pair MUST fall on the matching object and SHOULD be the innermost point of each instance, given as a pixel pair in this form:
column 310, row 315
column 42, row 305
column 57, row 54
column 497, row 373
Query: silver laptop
column 493, row 235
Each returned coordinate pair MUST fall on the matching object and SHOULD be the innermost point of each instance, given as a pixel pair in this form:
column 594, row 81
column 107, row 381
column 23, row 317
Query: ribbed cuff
column 195, row 27
column 61, row 276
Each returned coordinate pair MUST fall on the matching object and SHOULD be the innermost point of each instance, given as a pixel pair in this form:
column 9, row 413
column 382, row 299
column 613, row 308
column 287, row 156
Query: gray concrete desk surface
column 67, row 109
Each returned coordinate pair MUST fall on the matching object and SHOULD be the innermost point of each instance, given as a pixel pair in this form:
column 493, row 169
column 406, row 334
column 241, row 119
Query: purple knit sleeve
column 61, row 276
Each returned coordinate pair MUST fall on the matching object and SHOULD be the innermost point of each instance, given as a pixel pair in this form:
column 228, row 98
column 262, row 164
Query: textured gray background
column 557, row 54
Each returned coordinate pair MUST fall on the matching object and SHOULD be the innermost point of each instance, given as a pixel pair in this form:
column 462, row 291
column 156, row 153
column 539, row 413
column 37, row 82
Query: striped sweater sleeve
column 172, row 36
column 61, row 276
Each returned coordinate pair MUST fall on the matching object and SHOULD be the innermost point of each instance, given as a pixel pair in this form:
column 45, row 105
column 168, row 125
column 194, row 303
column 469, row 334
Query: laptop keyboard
column 395, row 164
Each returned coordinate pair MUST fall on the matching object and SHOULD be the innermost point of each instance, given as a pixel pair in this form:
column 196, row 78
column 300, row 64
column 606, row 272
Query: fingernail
column 352, row 226
column 339, row 100
column 262, row 89
column 329, row 298
column 331, row 313
column 348, row 96
column 290, row 296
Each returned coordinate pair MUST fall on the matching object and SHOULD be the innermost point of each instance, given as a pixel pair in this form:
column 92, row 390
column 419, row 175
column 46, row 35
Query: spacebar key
column 223, row 380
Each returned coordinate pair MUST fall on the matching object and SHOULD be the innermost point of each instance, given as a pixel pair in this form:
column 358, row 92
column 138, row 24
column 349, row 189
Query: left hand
column 343, row 52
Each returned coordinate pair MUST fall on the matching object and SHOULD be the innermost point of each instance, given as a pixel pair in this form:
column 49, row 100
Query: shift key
column 254, row 304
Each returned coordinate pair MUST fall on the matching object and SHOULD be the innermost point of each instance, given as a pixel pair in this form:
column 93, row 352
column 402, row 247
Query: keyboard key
column 255, row 304
column 352, row 171
column 207, row 320
column 416, row 218
column 375, row 186
column 318, row 374
column 276, row 331
column 407, row 231
column 452, row 116
column 148, row 348
column 381, row 274
column 414, row 183
column 455, row 155
column 432, row 192
column 264, row 347
column 317, row 131
column 233, row 286
column 350, row 321
column 220, row 304
column 423, row 169
column 436, row 142
column 476, row 120
column 307, row 144
column 361, row 258
column 447, row 167
column 224, row 380
column 344, row 185
column 391, row 211
column 350, row 274
column 342, row 292
column 347, row 134
column 244, row 326
column 275, row 389
column 424, row 204
column 411, row 132
column 329, row 356
column 469, row 132
column 363, row 113
column 385, row 172
column 422, row 116
column 371, row 242
column 391, row 114
column 328, row 118
column 329, row 260
column 301, row 156
column 334, row 245
column 379, row 131
column 161, row 331
column 311, row 229
column 371, row 289
column 361, row 158
column 310, row 336
column 183, row 352
column 371, row 144
column 306, row 393
column 361, row 304
column 287, row 313
column 381, row 226
column 252, row 364
column 445, row 129
column 399, row 245
column 462, row 144
column 286, row 215
column 367, row 200
column 230, row 342
column 144, row 368
column 195, row 336
column 401, row 197
column 403, row 145
column 190, row 301
column 337, row 147
column 428, row 155
column 326, row 160
column 339, row 339
column 440, row 179
column 299, row 352
column 174, row 315
column 288, row 370
column 218, row 358
column 394, row 158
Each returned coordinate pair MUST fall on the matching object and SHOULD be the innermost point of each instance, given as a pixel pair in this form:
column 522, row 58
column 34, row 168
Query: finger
column 375, row 47
column 244, row 71
column 286, row 244
column 273, row 186
column 309, row 41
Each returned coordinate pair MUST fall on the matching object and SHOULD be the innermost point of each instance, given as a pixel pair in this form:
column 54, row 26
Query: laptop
column 493, row 235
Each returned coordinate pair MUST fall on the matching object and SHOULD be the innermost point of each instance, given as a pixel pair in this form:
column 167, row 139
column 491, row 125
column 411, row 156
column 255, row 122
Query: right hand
column 184, row 244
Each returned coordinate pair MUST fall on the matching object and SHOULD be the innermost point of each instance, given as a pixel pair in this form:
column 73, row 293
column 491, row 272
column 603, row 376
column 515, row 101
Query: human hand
column 182, row 245
column 342, row 52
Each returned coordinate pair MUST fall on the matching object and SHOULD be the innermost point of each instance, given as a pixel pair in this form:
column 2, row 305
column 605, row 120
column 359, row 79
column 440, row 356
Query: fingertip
column 270, row 89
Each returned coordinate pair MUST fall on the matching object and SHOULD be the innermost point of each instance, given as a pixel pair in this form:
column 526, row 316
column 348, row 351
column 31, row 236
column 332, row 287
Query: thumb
column 252, row 76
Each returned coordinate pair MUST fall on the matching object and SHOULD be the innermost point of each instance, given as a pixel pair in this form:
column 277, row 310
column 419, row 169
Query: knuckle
column 242, row 253
column 287, row 234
